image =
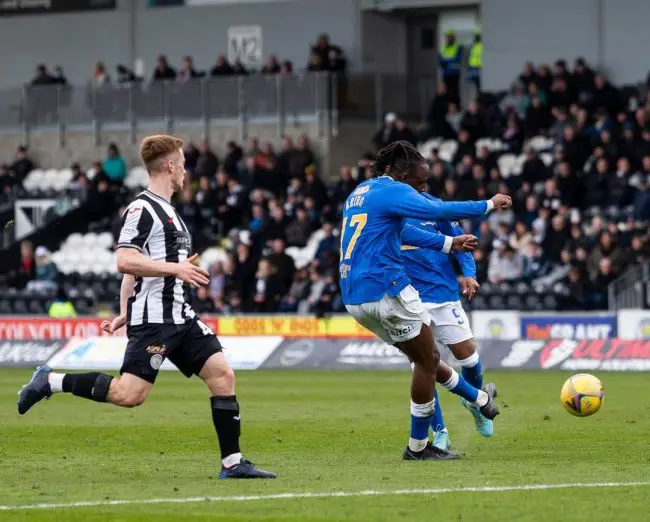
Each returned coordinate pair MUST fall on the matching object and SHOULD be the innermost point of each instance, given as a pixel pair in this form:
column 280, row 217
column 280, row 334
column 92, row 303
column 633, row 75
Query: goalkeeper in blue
column 378, row 293
column 432, row 273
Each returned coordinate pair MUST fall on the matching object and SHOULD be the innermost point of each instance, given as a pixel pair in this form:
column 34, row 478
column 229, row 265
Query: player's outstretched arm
column 413, row 236
column 407, row 202
column 130, row 261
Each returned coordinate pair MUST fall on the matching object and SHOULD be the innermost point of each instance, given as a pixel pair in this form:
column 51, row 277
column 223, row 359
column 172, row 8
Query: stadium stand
column 572, row 149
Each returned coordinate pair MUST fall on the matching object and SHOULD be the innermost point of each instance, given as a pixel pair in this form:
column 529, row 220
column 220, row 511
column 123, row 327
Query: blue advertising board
column 568, row 326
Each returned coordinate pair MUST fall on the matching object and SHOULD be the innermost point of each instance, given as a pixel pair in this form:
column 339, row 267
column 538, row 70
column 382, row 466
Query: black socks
column 225, row 416
column 93, row 385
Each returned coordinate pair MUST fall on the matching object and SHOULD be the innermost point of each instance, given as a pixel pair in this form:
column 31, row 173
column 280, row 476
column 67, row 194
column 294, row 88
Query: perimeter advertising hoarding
column 568, row 326
column 27, row 7
column 568, row 355
column 107, row 353
column 27, row 354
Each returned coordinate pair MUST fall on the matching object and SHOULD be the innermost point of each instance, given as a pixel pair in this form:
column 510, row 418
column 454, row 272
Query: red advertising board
column 46, row 328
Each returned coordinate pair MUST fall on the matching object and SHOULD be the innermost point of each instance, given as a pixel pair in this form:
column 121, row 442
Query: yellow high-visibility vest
column 449, row 52
column 475, row 59
column 62, row 309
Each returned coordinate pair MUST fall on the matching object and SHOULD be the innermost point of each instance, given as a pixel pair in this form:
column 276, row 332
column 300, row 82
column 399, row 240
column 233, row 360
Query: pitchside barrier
column 506, row 340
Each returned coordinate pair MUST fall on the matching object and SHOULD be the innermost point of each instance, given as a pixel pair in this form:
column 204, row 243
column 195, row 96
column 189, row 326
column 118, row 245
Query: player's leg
column 469, row 360
column 452, row 329
column 402, row 321
column 145, row 352
column 127, row 391
column 440, row 433
column 483, row 399
column 200, row 353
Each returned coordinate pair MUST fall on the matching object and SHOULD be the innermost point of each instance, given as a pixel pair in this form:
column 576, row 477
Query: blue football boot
column 37, row 389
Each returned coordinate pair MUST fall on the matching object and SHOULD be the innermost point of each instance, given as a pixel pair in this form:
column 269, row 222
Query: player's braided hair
column 396, row 159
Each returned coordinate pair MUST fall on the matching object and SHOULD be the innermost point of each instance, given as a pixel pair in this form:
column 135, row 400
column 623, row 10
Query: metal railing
column 630, row 289
column 277, row 99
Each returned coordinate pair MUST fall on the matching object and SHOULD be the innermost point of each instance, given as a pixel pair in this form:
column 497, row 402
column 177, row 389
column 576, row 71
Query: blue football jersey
column 431, row 271
column 373, row 220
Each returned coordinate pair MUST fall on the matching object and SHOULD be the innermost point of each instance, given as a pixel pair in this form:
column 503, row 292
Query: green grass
column 325, row 432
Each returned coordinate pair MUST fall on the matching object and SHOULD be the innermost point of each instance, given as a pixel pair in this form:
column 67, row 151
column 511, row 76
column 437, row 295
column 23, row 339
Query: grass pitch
column 323, row 433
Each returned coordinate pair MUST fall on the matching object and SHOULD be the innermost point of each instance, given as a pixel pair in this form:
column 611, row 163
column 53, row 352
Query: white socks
column 470, row 362
column 423, row 410
column 452, row 382
column 231, row 460
column 417, row 445
column 481, row 400
column 56, row 382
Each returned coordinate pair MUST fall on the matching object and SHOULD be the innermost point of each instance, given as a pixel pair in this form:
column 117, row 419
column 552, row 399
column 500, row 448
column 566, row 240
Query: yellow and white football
column 582, row 395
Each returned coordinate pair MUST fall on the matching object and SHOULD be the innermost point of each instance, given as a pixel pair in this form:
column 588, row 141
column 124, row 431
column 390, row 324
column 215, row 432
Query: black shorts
column 187, row 345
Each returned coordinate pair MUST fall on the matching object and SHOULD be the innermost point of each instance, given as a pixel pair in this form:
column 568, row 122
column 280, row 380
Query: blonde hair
column 157, row 147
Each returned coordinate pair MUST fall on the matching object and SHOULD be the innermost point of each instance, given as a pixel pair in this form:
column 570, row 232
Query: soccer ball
column 582, row 395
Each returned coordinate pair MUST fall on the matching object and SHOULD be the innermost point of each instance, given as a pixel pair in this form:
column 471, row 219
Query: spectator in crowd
column 607, row 248
column 272, row 66
column 202, row 302
column 163, row 70
column 328, row 246
column 22, row 165
column 450, row 59
column 125, row 76
column 27, row 267
column 42, row 76
column 316, row 288
column 222, row 67
column 207, row 162
column 100, row 77
column 59, row 77
column 45, row 268
column 187, row 71
column 234, row 154
column 61, row 307
column 114, row 165
column 388, row 133
column 505, row 264
column 404, row 133
column 217, row 280
column 297, row 293
column 7, row 180
column 300, row 229
column 267, row 289
column 282, row 264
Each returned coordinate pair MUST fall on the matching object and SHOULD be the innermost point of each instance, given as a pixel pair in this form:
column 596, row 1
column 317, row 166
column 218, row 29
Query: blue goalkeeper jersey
column 370, row 259
column 431, row 271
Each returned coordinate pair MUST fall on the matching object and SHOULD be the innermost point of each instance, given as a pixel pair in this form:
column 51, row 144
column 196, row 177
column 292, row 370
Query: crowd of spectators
column 581, row 199
column 323, row 56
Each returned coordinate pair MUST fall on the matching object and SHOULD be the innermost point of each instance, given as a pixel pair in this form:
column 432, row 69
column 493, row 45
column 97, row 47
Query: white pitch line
column 328, row 494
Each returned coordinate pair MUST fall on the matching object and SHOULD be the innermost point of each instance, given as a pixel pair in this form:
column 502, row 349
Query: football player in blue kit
column 378, row 293
column 433, row 275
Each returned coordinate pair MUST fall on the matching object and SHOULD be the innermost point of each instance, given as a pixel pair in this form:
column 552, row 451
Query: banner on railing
column 568, row 326
column 20, row 7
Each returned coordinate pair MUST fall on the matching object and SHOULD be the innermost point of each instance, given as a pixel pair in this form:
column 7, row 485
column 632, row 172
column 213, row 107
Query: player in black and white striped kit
column 154, row 252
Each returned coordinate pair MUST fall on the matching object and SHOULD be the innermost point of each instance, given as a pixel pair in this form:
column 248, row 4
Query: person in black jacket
column 163, row 70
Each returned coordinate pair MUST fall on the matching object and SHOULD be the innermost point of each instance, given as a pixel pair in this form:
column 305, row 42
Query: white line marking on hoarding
column 327, row 494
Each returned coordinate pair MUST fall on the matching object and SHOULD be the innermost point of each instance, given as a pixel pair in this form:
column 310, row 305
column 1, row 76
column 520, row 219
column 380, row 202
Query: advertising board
column 568, row 326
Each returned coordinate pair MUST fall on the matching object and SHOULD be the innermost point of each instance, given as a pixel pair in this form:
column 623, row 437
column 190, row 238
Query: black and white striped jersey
column 152, row 226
